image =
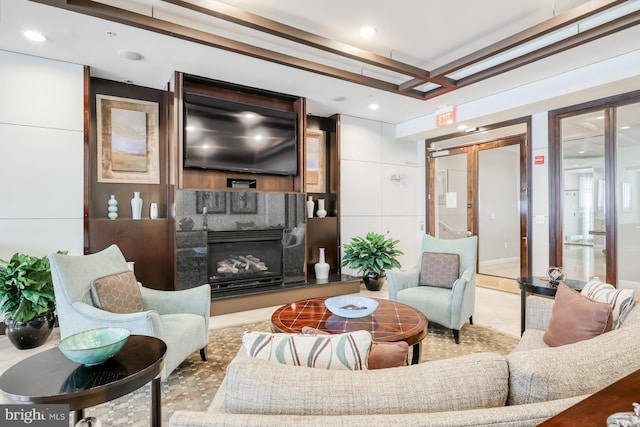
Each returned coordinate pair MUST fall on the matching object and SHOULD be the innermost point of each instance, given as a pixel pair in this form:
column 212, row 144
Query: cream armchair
column 179, row 318
column 447, row 307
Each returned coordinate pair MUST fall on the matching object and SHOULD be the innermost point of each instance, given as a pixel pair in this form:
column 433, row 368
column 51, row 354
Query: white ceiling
column 423, row 33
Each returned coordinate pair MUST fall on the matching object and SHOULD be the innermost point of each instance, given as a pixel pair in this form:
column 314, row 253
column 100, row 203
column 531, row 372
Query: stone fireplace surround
column 237, row 210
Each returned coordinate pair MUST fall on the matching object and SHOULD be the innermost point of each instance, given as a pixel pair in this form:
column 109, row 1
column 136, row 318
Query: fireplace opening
column 240, row 261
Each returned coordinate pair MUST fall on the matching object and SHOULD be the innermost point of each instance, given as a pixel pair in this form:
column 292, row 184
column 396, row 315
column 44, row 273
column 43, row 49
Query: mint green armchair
column 179, row 318
column 447, row 307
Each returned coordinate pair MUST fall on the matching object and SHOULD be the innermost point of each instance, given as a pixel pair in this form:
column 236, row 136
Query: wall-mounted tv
column 232, row 136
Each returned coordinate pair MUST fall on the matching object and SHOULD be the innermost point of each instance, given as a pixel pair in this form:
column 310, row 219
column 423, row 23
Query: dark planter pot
column 31, row 334
column 373, row 281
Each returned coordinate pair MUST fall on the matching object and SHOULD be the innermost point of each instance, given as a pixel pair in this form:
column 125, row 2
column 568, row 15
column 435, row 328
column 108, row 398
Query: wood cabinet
column 325, row 232
column 149, row 243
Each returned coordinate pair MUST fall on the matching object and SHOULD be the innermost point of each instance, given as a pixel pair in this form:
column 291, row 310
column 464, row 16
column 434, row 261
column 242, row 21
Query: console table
column 49, row 377
column 540, row 286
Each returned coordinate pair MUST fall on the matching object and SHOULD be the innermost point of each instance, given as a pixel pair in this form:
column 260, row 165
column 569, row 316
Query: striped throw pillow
column 348, row 351
column 621, row 300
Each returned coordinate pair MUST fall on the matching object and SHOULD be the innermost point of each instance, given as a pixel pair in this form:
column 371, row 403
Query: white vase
column 113, row 207
column 321, row 267
column 136, row 206
column 153, row 211
column 310, row 206
column 321, row 212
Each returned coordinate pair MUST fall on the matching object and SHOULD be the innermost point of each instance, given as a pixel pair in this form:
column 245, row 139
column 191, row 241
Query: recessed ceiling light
column 34, row 36
column 131, row 55
column 367, row 32
column 374, row 106
column 462, row 127
column 338, row 98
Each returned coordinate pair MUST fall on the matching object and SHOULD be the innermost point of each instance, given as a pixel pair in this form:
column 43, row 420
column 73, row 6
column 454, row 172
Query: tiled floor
column 494, row 308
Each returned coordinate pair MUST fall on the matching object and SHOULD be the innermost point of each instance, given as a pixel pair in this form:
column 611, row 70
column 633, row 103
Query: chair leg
column 471, row 320
column 456, row 335
column 203, row 353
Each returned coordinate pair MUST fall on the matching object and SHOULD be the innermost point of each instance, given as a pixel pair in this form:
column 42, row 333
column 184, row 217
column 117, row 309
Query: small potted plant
column 27, row 300
column 371, row 255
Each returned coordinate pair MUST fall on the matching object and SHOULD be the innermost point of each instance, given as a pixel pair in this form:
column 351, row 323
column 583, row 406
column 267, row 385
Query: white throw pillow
column 621, row 300
column 348, row 351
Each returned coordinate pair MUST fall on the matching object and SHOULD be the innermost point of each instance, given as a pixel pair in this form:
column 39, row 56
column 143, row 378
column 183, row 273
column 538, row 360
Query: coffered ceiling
column 424, row 56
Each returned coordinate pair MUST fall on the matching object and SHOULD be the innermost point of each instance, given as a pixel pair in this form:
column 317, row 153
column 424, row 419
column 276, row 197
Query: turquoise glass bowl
column 94, row 346
column 351, row 306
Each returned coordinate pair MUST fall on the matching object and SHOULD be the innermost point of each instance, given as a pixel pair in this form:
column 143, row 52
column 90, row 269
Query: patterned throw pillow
column 621, row 300
column 439, row 269
column 382, row 355
column 575, row 317
column 348, row 351
column 117, row 293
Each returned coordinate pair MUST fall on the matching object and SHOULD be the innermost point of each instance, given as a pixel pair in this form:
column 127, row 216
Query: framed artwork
column 244, row 203
column 215, row 202
column 315, row 168
column 128, row 141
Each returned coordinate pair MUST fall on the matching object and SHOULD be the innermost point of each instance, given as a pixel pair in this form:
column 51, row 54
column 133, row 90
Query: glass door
column 451, row 218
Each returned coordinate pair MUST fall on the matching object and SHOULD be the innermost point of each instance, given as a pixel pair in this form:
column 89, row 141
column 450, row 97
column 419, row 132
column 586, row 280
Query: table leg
column 523, row 307
column 78, row 414
column 417, row 351
column 156, row 403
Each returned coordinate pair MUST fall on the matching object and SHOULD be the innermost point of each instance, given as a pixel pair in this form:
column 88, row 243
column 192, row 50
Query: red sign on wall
column 539, row 160
column 446, row 117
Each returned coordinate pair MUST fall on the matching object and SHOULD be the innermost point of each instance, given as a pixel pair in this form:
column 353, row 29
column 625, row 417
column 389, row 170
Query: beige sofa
column 531, row 384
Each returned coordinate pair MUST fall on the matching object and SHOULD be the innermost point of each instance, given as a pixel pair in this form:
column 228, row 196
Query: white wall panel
column 42, row 172
column 360, row 139
column 360, row 188
column 406, row 229
column 41, row 92
column 41, row 237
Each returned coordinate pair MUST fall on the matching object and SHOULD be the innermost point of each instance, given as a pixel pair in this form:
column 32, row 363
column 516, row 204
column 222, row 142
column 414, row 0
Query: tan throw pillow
column 382, row 355
column 117, row 293
column 348, row 351
column 439, row 269
column 575, row 317
column 621, row 300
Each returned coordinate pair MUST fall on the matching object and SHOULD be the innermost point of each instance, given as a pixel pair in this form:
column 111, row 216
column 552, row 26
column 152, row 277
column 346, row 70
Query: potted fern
column 27, row 301
column 371, row 255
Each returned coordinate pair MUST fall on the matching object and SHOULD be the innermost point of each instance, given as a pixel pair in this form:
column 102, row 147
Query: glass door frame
column 472, row 149
column 608, row 106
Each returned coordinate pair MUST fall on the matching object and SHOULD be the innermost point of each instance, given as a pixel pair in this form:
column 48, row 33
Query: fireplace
column 244, row 260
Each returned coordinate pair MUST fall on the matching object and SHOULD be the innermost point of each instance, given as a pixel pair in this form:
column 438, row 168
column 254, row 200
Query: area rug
column 192, row 385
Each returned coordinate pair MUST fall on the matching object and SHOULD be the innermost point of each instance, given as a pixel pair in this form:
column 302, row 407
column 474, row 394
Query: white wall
column 41, row 156
column 369, row 199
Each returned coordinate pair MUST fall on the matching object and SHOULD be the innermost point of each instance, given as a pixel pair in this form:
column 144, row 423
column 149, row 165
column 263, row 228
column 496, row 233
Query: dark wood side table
column 539, row 286
column 595, row 409
column 391, row 322
column 49, row 377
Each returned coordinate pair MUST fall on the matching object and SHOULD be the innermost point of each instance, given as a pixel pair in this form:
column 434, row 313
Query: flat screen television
column 231, row 136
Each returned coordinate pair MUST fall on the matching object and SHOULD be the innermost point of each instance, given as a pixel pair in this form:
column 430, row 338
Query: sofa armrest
column 538, row 312
column 89, row 317
column 398, row 280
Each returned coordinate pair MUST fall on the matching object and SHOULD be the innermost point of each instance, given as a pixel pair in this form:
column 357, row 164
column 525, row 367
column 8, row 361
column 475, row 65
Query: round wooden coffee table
column 392, row 321
column 49, row 377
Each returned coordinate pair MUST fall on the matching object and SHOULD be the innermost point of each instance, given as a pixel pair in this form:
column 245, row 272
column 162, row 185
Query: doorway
column 480, row 188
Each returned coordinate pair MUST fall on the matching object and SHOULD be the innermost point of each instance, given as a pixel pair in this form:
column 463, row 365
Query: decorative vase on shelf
column 136, row 206
column 321, row 212
column 321, row 267
column 310, row 207
column 113, row 207
column 153, row 211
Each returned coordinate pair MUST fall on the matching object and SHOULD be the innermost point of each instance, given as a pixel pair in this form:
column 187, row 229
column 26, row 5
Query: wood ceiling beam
column 265, row 25
column 110, row 13
column 587, row 36
column 572, row 16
